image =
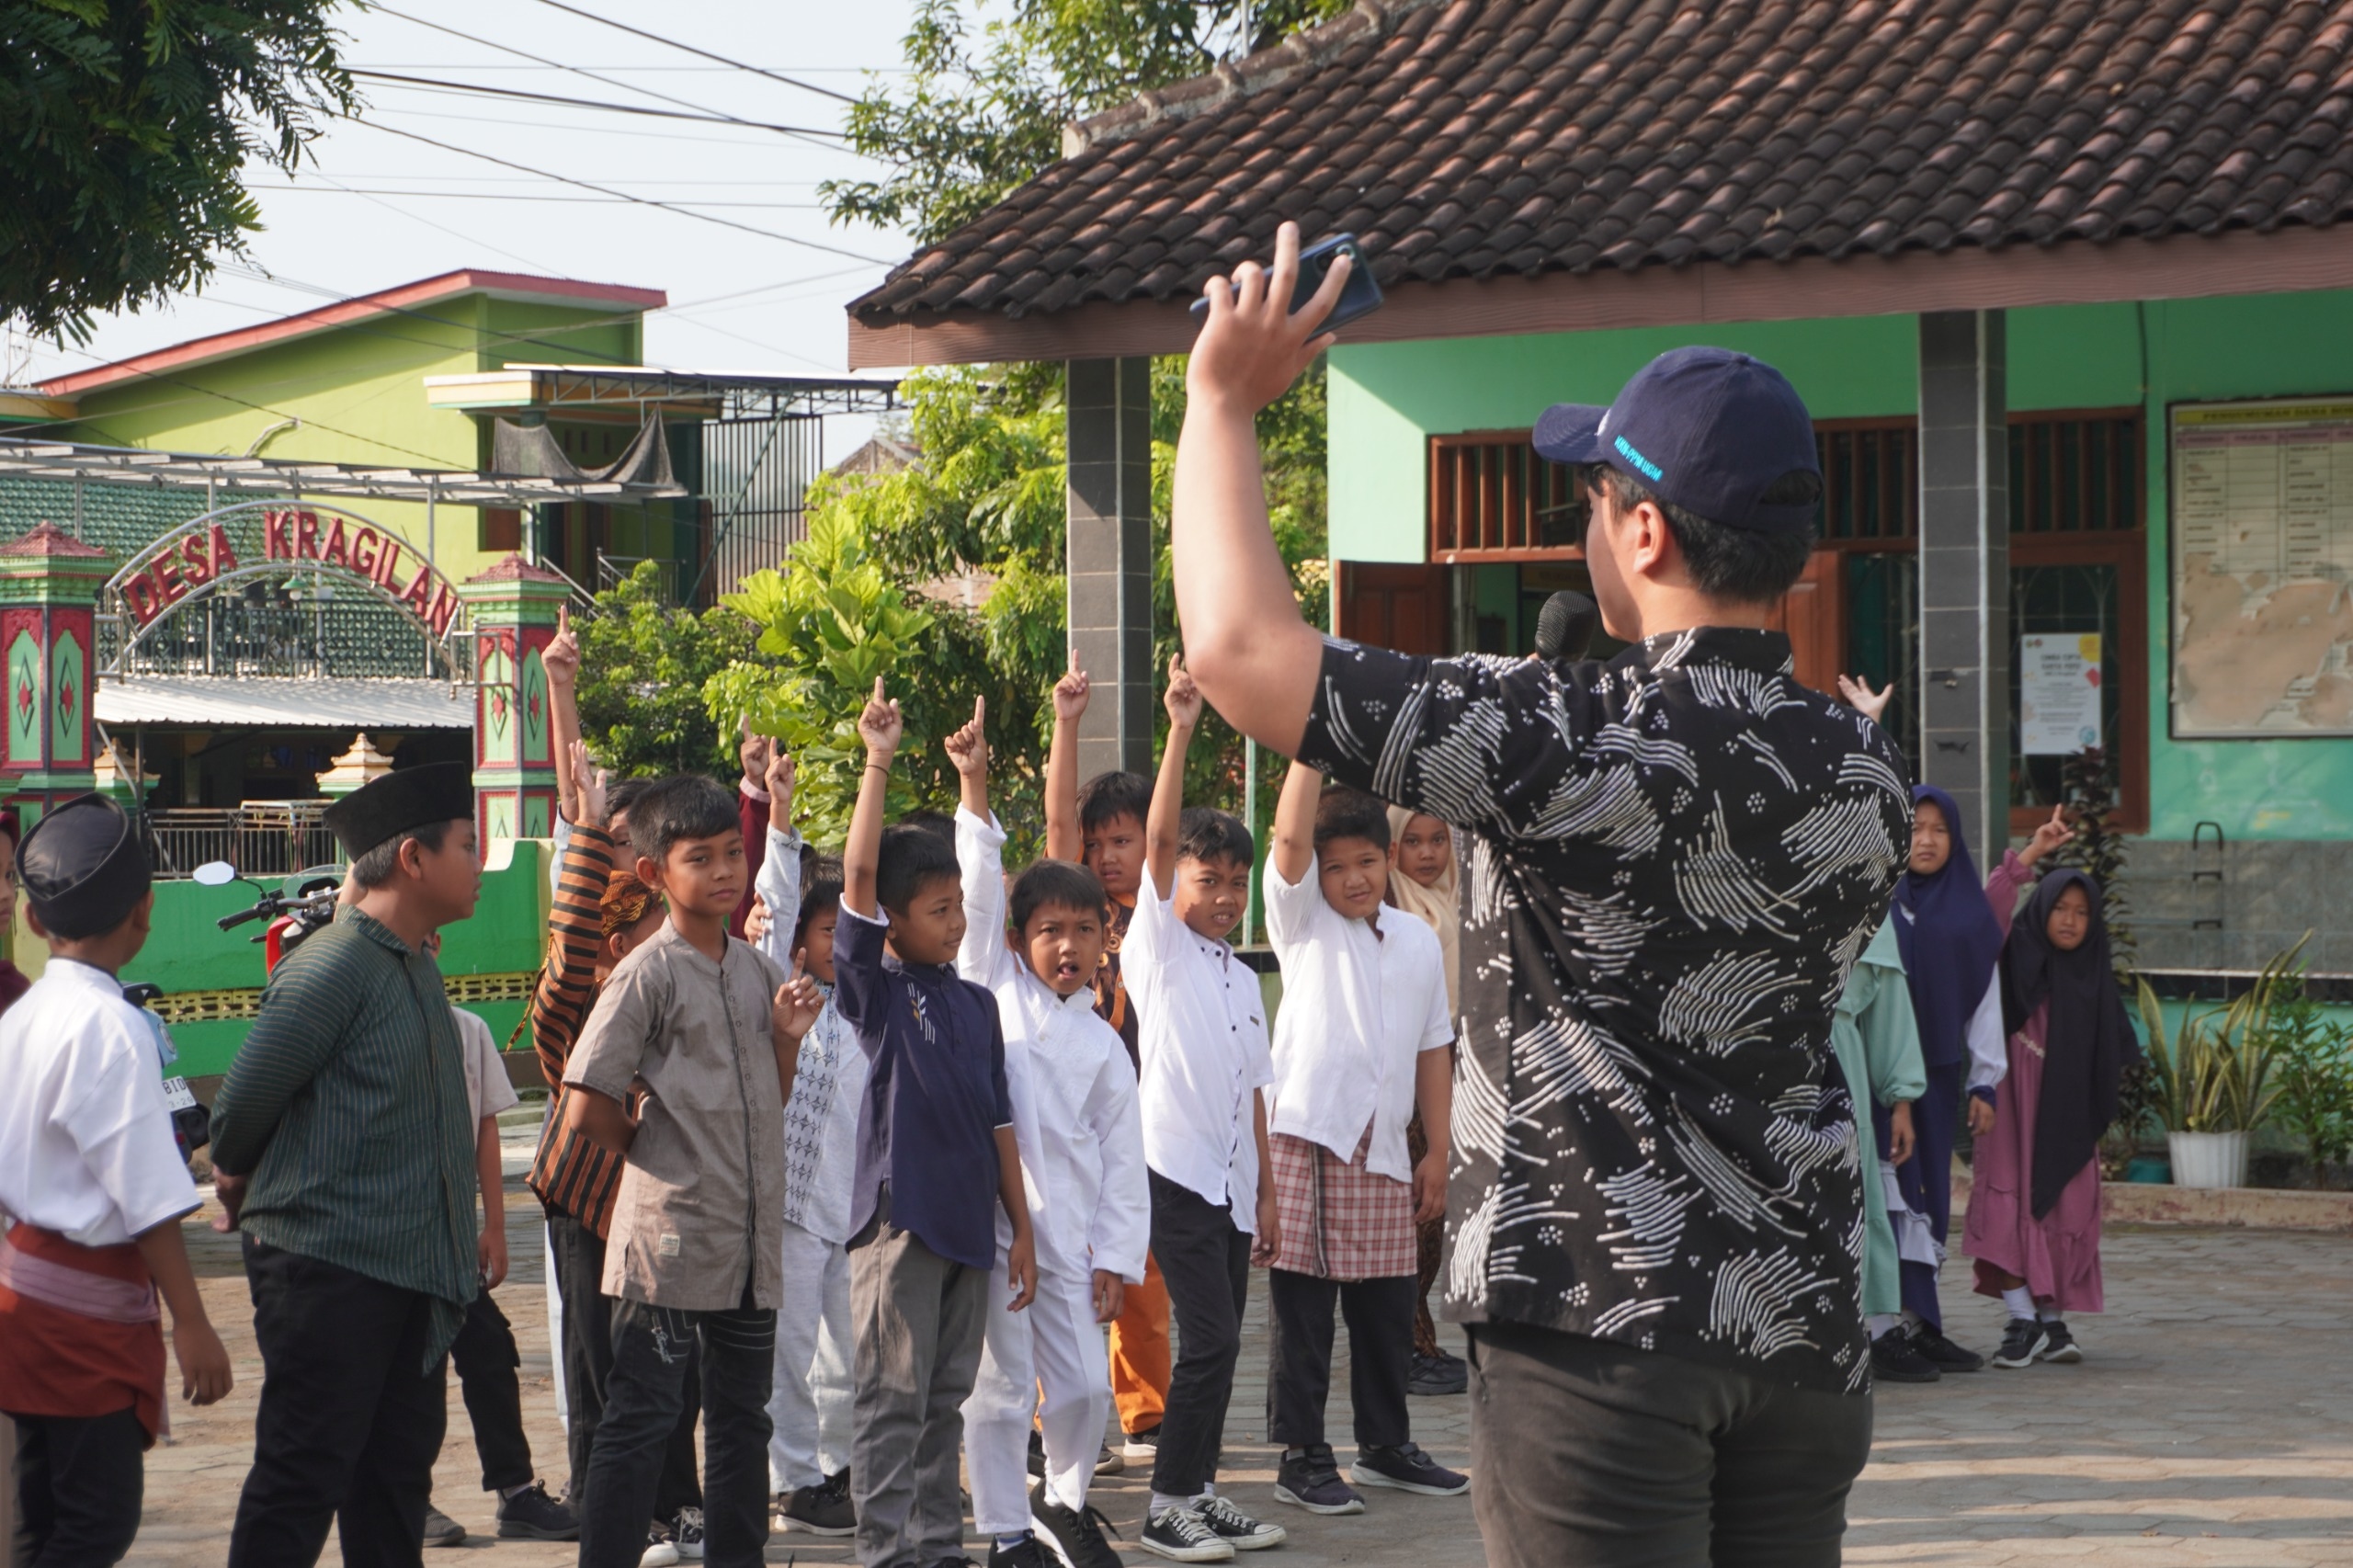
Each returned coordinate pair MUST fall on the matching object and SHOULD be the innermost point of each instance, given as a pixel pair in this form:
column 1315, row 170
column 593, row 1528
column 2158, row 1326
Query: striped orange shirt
column 569, row 1172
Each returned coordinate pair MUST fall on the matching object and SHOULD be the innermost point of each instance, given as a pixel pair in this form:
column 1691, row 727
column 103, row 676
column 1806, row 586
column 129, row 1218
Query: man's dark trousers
column 1380, row 1314
column 1590, row 1452
column 78, row 1481
column 588, row 1361
column 486, row 1361
column 350, row 1421
column 653, row 1349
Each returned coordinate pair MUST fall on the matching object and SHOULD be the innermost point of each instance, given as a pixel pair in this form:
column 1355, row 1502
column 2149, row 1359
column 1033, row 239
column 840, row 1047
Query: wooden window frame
column 1448, row 498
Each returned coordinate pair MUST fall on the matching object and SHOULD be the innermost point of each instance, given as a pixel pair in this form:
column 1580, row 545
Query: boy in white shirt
column 1205, row 1060
column 93, row 1188
column 1360, row 1046
column 1080, row 1141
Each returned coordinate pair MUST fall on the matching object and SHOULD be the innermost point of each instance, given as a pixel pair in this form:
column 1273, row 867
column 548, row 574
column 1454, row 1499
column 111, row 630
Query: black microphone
column 1565, row 627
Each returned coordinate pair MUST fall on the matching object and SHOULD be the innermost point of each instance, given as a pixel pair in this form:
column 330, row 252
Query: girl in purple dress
column 2033, row 1224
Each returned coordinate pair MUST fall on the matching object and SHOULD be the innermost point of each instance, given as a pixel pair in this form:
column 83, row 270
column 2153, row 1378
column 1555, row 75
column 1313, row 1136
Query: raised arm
column 778, row 879
column 1294, row 849
column 560, row 659
column 1253, row 656
column 879, row 726
column 1163, row 830
column 1064, row 839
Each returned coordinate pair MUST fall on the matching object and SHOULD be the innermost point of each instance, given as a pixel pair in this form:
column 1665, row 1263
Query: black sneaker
column 1183, row 1536
column 1236, row 1529
column 532, row 1515
column 2018, row 1343
column 440, row 1530
column 2058, row 1344
column 1037, row 1455
column 1407, row 1468
column 1023, row 1553
column 686, row 1533
column 1140, row 1447
column 1897, row 1357
column 1946, row 1355
column 1109, row 1461
column 822, row 1509
column 1075, row 1535
column 1313, row 1482
column 661, row 1551
column 1438, row 1374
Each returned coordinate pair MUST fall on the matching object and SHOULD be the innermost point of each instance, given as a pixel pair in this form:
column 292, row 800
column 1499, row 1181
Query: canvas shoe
column 1313, row 1482
column 1183, row 1536
column 2018, row 1343
column 1236, row 1529
column 1074, row 1535
column 1407, row 1468
column 686, row 1533
column 440, row 1530
column 2058, row 1343
column 1141, row 1448
column 1943, row 1352
column 661, row 1551
column 1109, row 1461
column 1898, row 1357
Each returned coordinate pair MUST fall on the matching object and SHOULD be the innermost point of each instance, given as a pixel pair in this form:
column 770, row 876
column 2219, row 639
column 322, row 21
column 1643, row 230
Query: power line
column 624, row 196
column 702, row 53
column 632, row 131
column 591, row 75
column 514, row 196
column 467, row 87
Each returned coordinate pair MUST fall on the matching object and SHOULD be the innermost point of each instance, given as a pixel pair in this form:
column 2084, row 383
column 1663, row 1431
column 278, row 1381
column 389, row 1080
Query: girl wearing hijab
column 2034, row 1212
column 1428, row 885
column 1950, row 935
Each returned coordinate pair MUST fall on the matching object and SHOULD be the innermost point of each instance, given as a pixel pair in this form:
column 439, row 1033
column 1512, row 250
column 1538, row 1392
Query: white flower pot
column 2209, row 1159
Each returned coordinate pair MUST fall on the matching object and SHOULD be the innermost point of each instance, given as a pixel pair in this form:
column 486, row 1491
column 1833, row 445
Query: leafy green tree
column 643, row 664
column 124, row 129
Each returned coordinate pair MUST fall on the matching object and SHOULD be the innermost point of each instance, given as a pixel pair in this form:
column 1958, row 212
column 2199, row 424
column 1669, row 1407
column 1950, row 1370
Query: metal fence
column 757, row 473
column 260, row 838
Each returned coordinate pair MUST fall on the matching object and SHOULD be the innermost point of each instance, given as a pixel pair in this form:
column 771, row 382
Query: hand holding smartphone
column 1360, row 296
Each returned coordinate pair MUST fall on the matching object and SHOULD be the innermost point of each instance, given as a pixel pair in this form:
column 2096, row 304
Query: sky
column 373, row 206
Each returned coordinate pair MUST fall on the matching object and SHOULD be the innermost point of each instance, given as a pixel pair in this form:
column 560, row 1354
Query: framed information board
column 2262, row 568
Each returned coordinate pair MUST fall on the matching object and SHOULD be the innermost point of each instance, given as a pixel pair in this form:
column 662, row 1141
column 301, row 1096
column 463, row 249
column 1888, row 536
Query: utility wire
column 608, row 80
column 468, row 88
column 704, row 53
column 515, row 196
column 624, row 196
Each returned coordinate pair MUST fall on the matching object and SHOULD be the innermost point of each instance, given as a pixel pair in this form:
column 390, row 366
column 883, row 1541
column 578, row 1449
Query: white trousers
column 1055, row 1341
column 810, row 1403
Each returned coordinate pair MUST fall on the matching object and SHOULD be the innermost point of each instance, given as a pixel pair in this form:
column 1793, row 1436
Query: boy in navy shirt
column 936, row 1160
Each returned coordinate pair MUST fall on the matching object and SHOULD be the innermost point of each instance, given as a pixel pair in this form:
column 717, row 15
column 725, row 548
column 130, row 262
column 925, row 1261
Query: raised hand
column 1071, row 693
column 794, row 1011
column 756, row 922
column 1254, row 347
column 2049, row 835
column 754, row 752
column 561, row 657
column 783, row 778
column 1862, row 698
column 967, row 748
column 1182, row 699
column 881, row 724
column 592, row 782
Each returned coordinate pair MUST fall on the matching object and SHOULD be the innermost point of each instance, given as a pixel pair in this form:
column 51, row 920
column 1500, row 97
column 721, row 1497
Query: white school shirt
column 1359, row 1007
column 488, row 1089
column 828, row 1085
column 87, row 1148
column 1989, row 1043
column 1204, row 1049
column 1075, row 1121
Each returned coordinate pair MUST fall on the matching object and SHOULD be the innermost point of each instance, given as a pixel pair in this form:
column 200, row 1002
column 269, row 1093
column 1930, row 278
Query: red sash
column 80, row 1330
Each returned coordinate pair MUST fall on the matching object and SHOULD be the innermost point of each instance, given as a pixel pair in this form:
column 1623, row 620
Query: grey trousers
column 1590, row 1452
column 918, row 1319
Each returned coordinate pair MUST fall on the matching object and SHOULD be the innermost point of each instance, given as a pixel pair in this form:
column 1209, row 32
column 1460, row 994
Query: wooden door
column 1813, row 614
column 1399, row 607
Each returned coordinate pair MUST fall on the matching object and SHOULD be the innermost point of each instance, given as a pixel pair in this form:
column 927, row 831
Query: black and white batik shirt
column 1674, row 859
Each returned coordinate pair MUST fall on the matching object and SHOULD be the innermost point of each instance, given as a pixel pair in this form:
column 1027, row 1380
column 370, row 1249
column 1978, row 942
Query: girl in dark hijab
column 2034, row 1212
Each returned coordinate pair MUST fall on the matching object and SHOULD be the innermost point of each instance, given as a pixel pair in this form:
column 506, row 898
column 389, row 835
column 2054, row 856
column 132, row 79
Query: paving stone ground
column 2210, row 1423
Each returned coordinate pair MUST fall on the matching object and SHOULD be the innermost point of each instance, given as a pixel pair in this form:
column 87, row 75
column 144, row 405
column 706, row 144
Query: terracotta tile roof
column 1494, row 137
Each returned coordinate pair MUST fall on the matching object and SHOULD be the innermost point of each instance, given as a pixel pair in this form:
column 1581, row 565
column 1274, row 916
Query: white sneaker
column 661, row 1551
column 686, row 1532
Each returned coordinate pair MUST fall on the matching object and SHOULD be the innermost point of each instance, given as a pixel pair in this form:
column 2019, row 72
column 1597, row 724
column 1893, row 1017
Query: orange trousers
column 1140, row 1353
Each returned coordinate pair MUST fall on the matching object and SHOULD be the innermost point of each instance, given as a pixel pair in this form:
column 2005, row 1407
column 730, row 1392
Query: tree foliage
column 642, row 668
column 124, row 129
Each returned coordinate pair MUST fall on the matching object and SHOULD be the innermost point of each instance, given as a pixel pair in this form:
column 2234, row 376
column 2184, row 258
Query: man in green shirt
column 344, row 1148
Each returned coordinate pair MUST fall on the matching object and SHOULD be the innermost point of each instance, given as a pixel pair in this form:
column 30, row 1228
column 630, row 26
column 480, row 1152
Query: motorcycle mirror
column 214, row 874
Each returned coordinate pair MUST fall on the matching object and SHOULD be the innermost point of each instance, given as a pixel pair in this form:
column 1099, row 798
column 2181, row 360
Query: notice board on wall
column 2262, row 570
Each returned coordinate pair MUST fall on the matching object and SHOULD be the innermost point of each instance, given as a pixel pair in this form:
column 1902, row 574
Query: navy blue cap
column 1705, row 429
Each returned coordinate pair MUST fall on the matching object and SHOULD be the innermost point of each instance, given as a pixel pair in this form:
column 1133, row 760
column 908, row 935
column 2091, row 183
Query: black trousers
column 588, row 1360
column 1591, row 1453
column 1205, row 1261
column 1298, row 1362
column 351, row 1418
column 652, row 1359
column 78, row 1481
column 486, row 1360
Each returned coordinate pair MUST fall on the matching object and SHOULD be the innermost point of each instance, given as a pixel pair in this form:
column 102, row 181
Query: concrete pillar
column 1965, row 571
column 49, row 584
column 1109, row 554
column 513, row 605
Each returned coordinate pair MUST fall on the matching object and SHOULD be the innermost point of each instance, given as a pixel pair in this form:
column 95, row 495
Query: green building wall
column 1388, row 398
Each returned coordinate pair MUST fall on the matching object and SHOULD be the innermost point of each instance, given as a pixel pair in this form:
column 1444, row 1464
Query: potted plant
column 2311, row 1061
column 2212, row 1077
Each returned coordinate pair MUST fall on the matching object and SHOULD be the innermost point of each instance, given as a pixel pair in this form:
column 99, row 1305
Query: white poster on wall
column 2058, row 692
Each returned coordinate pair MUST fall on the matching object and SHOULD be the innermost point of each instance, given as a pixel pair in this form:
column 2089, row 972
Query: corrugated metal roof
column 285, row 704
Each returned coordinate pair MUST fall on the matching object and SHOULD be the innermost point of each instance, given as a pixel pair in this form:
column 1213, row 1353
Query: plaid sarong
column 1338, row 1220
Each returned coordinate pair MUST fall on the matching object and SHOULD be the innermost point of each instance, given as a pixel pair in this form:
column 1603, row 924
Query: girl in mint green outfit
column 1879, row 1046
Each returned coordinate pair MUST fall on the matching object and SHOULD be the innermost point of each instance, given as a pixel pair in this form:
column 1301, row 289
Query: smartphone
column 1360, row 296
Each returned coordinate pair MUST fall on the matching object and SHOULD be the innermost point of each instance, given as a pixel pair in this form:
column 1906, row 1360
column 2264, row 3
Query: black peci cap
column 401, row 803
column 84, row 866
